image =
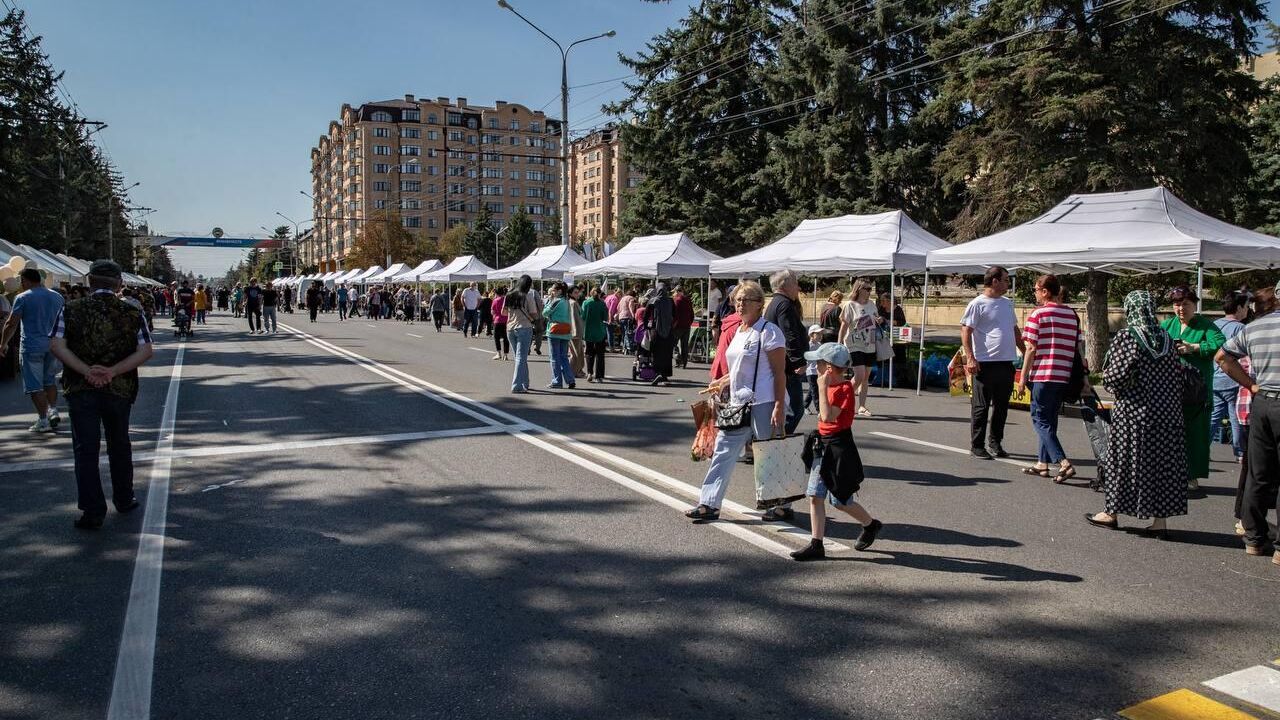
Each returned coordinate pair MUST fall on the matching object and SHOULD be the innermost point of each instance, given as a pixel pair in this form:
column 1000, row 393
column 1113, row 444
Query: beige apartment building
column 599, row 181
column 437, row 161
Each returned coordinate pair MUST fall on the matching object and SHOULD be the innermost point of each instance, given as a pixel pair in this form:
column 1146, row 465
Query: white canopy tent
column 464, row 268
column 345, row 275
column 654, row 256
column 544, row 263
column 415, row 273
column 386, row 275
column 363, row 277
column 1139, row 231
column 55, row 270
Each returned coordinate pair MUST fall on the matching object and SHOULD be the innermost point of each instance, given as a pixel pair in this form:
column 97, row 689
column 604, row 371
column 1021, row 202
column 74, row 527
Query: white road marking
column 414, row 335
column 939, row 446
column 371, row 325
column 483, row 350
column 521, row 428
column 1258, row 685
column 229, row 483
column 135, row 661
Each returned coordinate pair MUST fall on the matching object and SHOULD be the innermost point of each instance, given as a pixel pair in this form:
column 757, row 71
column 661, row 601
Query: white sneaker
column 496, row 356
column 41, row 426
column 54, row 418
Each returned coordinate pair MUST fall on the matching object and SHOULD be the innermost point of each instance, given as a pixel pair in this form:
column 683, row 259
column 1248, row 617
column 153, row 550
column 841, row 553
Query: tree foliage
column 479, row 240
column 519, row 239
column 383, row 239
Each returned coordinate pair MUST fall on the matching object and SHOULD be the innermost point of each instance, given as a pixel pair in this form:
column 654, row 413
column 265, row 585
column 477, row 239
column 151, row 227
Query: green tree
column 519, row 239
column 479, row 240
column 383, row 239
column 1261, row 206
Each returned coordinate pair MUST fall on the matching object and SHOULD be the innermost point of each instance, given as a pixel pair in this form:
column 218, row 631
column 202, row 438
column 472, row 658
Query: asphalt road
column 362, row 522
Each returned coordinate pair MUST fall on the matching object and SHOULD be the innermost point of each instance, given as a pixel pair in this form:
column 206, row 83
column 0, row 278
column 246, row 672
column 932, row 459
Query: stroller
column 642, row 369
column 181, row 323
column 1097, row 424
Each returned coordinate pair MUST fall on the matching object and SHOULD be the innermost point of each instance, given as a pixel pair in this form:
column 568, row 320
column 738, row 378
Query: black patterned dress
column 1146, row 461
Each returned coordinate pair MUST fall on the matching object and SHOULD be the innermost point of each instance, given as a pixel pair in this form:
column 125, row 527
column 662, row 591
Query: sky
column 214, row 107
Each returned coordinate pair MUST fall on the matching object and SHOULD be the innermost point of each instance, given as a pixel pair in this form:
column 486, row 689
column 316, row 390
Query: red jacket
column 682, row 314
column 728, row 327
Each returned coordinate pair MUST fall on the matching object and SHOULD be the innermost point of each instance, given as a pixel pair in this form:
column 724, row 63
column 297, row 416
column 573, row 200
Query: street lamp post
column 564, row 113
column 111, row 218
column 496, row 234
column 293, row 251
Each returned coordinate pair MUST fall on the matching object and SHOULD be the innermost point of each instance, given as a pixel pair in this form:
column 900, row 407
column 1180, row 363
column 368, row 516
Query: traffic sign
column 278, row 265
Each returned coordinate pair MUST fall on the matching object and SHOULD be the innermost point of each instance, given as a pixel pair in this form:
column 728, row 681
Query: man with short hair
column 102, row 341
column 1235, row 308
column 270, row 298
column 36, row 308
column 784, row 311
column 470, row 310
column 253, row 307
column 344, row 296
column 990, row 336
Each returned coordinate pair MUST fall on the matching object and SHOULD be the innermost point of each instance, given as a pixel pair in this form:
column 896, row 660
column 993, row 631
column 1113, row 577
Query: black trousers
column 595, row 359
column 500, row 342
column 91, row 412
column 1262, row 489
column 682, row 342
column 486, row 323
column 254, row 312
column 992, row 387
column 314, row 309
column 438, row 317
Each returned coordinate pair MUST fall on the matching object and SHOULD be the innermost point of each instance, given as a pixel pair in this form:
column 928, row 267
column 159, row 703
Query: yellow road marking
column 1183, row 705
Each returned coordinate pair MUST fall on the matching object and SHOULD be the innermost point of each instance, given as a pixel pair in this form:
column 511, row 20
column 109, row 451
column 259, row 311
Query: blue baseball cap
column 831, row 353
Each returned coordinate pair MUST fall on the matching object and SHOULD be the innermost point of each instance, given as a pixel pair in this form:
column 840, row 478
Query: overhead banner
column 228, row 243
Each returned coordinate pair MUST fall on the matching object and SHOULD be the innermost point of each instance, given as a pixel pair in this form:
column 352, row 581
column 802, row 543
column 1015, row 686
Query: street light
column 111, row 219
column 564, row 113
column 496, row 264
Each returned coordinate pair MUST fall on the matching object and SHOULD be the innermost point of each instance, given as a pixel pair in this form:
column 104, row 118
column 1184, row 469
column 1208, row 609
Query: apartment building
column 599, row 181
column 436, row 162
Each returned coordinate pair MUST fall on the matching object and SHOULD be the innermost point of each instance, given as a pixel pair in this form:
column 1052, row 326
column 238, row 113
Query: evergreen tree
column 1262, row 203
column 479, row 241
column 520, row 238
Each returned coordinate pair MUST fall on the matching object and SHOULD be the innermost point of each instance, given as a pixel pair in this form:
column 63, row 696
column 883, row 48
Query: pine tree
column 520, row 238
column 479, row 241
column 1261, row 206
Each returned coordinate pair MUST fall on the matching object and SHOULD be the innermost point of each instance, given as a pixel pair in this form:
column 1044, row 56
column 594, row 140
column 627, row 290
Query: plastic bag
column 704, row 437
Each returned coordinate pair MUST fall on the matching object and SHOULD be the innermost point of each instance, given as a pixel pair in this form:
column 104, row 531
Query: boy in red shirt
column 835, row 468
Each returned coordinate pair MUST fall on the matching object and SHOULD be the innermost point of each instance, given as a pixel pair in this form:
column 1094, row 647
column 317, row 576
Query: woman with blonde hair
column 858, row 323
column 829, row 319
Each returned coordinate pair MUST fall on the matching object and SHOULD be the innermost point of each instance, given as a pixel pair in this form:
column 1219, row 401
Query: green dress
column 1203, row 332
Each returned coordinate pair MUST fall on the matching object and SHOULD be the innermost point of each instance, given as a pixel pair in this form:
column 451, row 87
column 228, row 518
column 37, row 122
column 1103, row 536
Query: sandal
column 702, row 513
column 1033, row 470
column 1065, row 474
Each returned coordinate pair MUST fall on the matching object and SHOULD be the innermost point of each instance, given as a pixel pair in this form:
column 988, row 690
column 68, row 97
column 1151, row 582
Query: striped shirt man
column 1260, row 341
column 1053, row 330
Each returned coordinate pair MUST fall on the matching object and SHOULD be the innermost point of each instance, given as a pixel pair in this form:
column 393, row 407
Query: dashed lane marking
column 1258, row 686
column 414, row 335
column 1183, row 705
column 523, row 429
column 939, row 446
column 483, row 350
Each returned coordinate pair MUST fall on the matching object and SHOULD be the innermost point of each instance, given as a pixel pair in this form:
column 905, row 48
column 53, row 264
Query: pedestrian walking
column 611, row 301
column 784, row 312
column 1235, row 309
column 595, row 313
column 835, row 467
column 439, row 308
column 626, row 319
column 202, row 303
column 1260, row 342
column 522, row 315
column 811, row 369
column 858, row 324
column 34, row 311
column 270, row 298
column 681, row 324
column 470, row 310
column 1145, row 468
column 101, row 341
column 485, row 308
column 344, row 298
column 991, row 341
column 253, row 306
column 756, row 377
column 1196, row 340
column 560, row 332
column 1052, row 340
column 659, row 322
column 501, row 344
column 375, row 304
column 829, row 318
column 577, row 345
column 313, row 300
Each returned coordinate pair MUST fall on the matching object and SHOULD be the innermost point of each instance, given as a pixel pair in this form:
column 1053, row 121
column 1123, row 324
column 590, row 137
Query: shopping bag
column 704, row 438
column 779, row 471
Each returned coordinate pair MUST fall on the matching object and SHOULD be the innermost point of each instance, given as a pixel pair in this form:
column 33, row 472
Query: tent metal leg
column 1199, row 285
column 924, row 319
column 892, row 293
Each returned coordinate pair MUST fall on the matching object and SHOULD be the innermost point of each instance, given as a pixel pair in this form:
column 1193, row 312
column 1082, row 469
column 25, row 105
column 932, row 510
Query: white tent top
column 1138, row 231
column 57, row 270
column 389, row 273
column 464, row 268
column 413, row 274
column 672, row 255
column 844, row 245
column 347, row 275
column 362, row 277
column 544, row 263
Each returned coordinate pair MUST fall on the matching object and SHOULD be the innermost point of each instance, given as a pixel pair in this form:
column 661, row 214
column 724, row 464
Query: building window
column 410, row 204
column 433, row 169
column 382, row 132
column 515, row 125
column 410, row 185
column 410, row 132
column 535, row 127
column 412, row 115
column 515, row 192
column 410, row 150
column 433, row 135
column 493, row 123
column 380, row 116
column 453, row 118
column 471, row 139
column 515, row 139
column 515, row 174
column 411, row 221
column 533, row 175
column 381, row 186
column 410, row 168
column 455, row 136
column 533, row 192
column 431, row 188
column 491, row 157
column 457, row 189
column 433, row 152
column 491, row 190
column 381, row 149
column 492, row 173
column 382, row 167
column 431, row 222
column 431, row 118
column 455, row 170
column 379, row 204
column 494, row 207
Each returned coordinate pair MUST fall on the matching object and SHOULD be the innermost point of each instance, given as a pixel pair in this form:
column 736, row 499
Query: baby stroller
column 1097, row 424
column 642, row 369
column 181, row 323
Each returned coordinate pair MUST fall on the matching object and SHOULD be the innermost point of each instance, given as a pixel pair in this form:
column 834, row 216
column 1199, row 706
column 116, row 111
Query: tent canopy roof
column 844, row 245
column 464, row 268
column 364, row 276
column 413, row 274
column 544, row 263
column 1137, row 231
column 673, row 255
column 389, row 273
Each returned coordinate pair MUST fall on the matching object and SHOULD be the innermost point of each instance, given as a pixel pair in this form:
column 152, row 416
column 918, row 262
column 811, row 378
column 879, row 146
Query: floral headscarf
column 1140, row 314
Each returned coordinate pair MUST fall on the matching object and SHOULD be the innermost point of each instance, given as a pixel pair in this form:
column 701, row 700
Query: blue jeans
column 729, row 444
column 39, row 371
column 470, row 322
column 627, row 328
column 561, row 373
column 521, row 339
column 1224, row 402
column 1046, row 400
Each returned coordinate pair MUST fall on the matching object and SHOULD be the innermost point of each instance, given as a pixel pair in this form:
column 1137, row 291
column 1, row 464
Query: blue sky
column 215, row 106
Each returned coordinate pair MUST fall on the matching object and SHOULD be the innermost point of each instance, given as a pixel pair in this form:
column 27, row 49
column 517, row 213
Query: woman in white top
column 753, row 377
column 858, row 323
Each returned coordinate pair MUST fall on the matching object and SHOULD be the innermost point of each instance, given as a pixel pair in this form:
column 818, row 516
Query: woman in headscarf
column 660, row 321
column 1196, row 339
column 1145, row 468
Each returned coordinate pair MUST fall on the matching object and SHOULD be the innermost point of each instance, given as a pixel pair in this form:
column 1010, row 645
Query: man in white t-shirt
column 989, row 334
column 470, row 311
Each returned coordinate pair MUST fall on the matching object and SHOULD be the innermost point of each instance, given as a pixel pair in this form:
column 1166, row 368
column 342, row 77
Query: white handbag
column 779, row 471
